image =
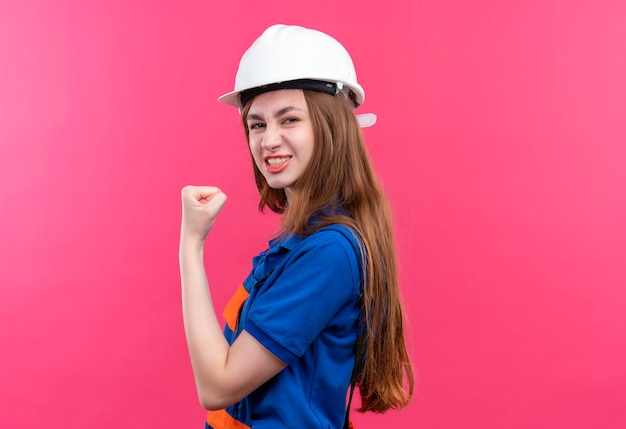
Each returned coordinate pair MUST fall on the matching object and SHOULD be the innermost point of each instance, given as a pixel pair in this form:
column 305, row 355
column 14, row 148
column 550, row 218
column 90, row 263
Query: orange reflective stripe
column 220, row 419
column 231, row 311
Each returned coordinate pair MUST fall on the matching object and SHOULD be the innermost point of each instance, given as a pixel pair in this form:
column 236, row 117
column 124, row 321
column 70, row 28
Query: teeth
column 276, row 161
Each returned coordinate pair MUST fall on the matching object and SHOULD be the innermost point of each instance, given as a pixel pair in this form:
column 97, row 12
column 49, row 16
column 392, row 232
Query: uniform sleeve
column 318, row 287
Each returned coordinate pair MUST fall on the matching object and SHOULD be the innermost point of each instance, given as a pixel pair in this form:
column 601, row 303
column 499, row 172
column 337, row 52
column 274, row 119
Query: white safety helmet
column 294, row 57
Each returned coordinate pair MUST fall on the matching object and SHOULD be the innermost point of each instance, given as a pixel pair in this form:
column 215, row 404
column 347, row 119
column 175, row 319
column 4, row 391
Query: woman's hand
column 201, row 205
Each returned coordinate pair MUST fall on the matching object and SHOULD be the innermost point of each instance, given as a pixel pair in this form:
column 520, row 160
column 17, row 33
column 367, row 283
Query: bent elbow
column 212, row 401
column 210, row 405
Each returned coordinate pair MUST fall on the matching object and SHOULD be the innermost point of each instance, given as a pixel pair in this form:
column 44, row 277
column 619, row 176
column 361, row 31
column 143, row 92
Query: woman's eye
column 290, row 120
column 256, row 125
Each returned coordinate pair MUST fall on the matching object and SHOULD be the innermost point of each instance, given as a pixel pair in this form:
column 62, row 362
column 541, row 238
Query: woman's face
column 281, row 136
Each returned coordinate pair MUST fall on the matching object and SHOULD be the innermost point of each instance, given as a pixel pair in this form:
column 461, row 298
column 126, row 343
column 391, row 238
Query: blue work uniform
column 301, row 301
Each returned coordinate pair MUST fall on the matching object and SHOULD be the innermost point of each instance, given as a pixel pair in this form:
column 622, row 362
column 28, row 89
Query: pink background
column 501, row 143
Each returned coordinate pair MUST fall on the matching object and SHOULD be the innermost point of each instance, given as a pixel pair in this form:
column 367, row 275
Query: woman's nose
column 272, row 138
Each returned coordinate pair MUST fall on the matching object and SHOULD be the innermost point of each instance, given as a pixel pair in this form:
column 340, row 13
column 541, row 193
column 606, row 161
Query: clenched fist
column 201, row 205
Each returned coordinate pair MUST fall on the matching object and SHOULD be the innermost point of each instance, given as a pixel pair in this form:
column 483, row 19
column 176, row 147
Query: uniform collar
column 290, row 241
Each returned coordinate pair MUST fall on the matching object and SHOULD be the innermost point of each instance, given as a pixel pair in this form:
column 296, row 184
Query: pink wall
column 501, row 142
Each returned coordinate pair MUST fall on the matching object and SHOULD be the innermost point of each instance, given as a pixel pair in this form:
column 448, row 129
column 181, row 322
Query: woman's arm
column 224, row 374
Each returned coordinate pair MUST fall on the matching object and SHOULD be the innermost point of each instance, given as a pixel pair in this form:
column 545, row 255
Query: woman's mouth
column 275, row 164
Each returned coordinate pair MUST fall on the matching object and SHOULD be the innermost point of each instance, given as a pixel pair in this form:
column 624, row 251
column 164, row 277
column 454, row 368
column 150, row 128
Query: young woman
column 288, row 351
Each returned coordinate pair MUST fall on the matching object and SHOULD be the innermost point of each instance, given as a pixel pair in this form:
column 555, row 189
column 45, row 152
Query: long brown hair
column 339, row 186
